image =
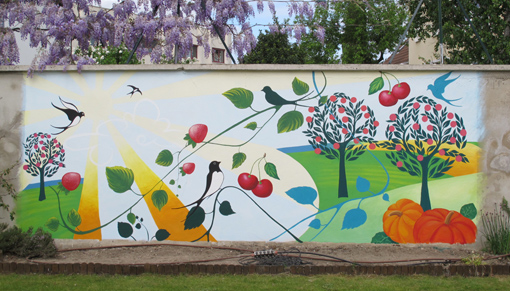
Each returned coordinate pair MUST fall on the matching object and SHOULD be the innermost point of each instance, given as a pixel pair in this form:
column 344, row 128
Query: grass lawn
column 249, row 282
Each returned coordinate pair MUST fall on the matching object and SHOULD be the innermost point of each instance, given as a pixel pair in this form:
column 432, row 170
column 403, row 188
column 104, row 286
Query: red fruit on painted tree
column 247, row 181
column 188, row 168
column 263, row 189
column 71, row 180
column 401, row 91
column 386, row 98
column 198, row 132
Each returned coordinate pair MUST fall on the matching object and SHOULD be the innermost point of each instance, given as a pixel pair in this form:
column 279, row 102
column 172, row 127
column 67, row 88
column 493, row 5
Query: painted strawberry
column 71, row 180
column 198, row 132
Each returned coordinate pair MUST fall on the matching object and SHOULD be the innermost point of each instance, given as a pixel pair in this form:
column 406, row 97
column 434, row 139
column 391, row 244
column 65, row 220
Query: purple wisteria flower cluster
column 60, row 27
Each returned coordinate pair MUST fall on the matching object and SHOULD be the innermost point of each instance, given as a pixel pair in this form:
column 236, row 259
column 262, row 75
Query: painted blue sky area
column 297, row 149
column 46, row 183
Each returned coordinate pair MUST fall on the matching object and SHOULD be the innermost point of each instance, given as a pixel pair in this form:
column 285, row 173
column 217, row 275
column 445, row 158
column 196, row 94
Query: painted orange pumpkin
column 444, row 226
column 399, row 220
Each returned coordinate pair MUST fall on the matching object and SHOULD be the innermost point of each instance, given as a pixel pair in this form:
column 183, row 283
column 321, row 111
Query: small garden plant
column 496, row 229
column 28, row 244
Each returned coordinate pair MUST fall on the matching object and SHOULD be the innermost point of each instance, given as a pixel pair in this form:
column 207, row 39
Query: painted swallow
column 439, row 86
column 72, row 112
column 135, row 90
column 212, row 184
column 275, row 99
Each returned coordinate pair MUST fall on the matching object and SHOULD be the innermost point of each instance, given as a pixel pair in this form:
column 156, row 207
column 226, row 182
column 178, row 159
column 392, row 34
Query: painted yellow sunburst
column 98, row 105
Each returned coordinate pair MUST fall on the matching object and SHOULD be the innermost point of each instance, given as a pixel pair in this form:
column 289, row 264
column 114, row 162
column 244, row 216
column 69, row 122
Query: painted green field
column 32, row 212
column 446, row 192
column 325, row 174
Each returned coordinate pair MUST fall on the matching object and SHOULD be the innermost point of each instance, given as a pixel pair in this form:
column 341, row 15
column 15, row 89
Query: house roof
column 402, row 56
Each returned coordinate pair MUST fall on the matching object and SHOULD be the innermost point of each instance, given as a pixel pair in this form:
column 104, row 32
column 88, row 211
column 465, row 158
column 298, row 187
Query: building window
column 193, row 53
column 218, row 55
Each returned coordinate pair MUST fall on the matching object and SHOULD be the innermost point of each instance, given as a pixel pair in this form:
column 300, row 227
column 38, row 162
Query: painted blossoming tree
column 422, row 137
column 337, row 129
column 44, row 156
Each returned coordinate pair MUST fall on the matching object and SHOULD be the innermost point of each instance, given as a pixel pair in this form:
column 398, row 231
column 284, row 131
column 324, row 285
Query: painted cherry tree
column 422, row 137
column 337, row 130
column 44, row 156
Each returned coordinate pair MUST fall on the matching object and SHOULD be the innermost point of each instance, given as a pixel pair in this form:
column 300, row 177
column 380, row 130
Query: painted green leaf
column 195, row 218
column 61, row 188
column 290, row 121
column 241, row 98
column 131, row 218
column 469, row 211
column 119, row 178
column 376, row 85
column 52, row 224
column 190, row 142
column 238, row 159
column 159, row 198
column 74, row 218
column 324, row 99
column 299, row 87
column 226, row 208
column 270, row 169
column 162, row 234
column 251, row 125
column 165, row 158
column 382, row 238
column 125, row 229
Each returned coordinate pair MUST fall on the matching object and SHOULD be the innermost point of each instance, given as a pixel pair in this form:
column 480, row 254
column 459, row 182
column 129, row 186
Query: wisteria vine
column 59, row 27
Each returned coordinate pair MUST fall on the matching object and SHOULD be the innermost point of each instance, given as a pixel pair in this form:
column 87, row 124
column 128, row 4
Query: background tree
column 44, row 156
column 419, row 131
column 337, row 129
column 326, row 16
column 362, row 31
column 491, row 19
column 274, row 48
column 370, row 29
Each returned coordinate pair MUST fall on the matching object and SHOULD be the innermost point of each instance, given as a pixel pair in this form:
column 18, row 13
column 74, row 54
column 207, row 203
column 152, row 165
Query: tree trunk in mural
column 342, row 177
column 42, row 191
column 425, row 198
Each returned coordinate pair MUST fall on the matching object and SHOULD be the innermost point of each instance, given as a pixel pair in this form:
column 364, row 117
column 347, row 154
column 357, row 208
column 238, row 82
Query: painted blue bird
column 438, row 88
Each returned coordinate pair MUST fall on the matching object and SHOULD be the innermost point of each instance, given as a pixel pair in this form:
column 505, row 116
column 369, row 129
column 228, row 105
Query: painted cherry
column 263, row 189
column 247, row 181
column 401, row 91
column 386, row 98
column 71, row 180
column 198, row 132
column 188, row 168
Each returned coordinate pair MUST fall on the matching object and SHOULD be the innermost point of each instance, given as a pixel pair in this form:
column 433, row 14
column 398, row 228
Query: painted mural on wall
column 276, row 156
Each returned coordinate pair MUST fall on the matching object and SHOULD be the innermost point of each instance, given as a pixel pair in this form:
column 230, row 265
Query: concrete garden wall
column 333, row 156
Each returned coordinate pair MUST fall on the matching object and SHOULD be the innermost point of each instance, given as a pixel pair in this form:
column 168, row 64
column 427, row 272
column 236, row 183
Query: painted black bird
column 275, row 99
column 212, row 184
column 135, row 90
column 72, row 112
